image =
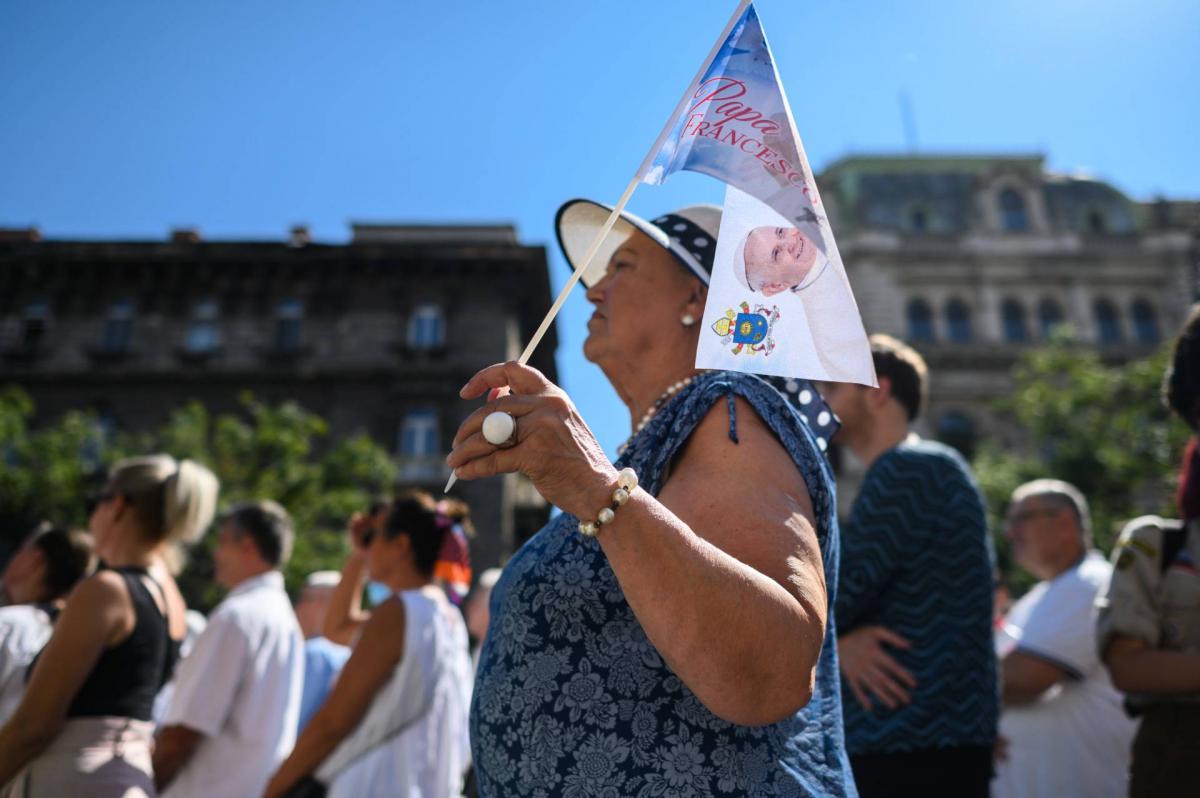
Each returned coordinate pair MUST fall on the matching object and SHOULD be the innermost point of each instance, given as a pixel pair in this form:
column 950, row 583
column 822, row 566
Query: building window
column 918, row 220
column 1108, row 322
column 1050, row 317
column 1145, row 322
column 958, row 321
column 203, row 337
column 419, row 434
column 920, row 321
column 34, row 324
column 1013, row 218
column 1012, row 314
column 118, row 328
column 426, row 328
column 289, row 324
column 958, row 430
column 1095, row 223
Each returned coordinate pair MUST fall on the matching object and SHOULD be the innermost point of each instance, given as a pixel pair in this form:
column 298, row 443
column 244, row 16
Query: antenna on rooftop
column 908, row 120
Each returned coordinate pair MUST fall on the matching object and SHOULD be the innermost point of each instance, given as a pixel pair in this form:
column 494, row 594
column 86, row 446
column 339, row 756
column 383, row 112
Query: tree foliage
column 281, row 452
column 1101, row 427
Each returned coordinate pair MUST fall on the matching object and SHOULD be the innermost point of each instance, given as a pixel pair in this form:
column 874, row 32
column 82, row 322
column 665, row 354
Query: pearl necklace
column 654, row 408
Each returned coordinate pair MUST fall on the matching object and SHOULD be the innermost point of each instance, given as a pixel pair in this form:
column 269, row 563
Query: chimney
column 300, row 236
column 185, row 235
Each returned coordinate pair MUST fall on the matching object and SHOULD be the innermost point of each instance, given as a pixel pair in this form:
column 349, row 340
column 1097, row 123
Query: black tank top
column 128, row 675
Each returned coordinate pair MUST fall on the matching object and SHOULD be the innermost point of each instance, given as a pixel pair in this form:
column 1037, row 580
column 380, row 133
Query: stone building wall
column 376, row 336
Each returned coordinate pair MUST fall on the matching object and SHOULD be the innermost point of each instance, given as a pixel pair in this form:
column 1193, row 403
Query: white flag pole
column 620, row 206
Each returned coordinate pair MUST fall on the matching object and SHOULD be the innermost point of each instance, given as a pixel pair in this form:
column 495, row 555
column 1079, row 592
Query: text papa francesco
column 719, row 97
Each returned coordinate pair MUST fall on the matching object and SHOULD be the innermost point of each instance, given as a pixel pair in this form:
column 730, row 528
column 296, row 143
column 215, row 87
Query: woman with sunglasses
column 83, row 726
column 395, row 723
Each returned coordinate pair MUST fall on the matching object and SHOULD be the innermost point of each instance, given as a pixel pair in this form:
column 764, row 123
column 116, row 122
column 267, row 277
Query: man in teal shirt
column 914, row 606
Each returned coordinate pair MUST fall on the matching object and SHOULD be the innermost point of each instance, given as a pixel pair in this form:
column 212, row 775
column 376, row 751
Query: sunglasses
column 1029, row 515
column 98, row 499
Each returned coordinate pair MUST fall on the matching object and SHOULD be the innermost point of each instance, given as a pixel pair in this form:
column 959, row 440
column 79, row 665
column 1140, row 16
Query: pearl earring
column 688, row 319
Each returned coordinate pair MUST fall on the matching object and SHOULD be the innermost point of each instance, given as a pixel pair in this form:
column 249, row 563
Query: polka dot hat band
column 689, row 234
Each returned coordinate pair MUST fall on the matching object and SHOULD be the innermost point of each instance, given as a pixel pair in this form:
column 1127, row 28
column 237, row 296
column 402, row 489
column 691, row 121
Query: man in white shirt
column 233, row 715
column 1062, row 720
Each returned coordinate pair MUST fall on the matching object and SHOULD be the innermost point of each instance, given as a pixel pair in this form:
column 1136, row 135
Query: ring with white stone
column 500, row 429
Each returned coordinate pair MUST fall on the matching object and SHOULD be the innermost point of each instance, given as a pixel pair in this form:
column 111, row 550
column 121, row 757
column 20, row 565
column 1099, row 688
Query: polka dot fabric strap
column 803, row 395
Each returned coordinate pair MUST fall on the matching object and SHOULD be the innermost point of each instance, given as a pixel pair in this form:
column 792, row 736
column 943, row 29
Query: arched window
column 920, row 321
column 958, row 430
column 1108, row 322
column 426, row 327
column 118, row 328
column 289, row 325
column 1050, row 317
column 419, row 433
column 958, row 321
column 203, row 337
column 1013, row 218
column 1012, row 313
column 1145, row 322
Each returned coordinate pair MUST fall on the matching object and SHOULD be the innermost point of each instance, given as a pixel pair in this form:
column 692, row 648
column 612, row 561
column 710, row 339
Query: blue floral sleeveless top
column 571, row 699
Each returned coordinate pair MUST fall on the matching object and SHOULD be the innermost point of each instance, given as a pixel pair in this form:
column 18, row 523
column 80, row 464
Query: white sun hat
column 689, row 234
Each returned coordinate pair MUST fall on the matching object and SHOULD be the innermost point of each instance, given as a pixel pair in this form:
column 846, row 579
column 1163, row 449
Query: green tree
column 46, row 473
column 1101, row 427
column 281, row 452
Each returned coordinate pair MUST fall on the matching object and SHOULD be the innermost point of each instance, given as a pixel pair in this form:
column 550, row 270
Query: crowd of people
column 694, row 622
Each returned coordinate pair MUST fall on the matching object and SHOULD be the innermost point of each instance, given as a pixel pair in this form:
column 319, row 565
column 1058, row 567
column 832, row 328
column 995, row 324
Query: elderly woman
column 669, row 632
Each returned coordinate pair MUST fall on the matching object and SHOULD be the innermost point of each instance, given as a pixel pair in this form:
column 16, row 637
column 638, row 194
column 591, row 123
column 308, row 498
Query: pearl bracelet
column 627, row 481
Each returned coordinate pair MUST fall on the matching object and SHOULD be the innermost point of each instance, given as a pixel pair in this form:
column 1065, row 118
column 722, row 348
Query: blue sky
column 124, row 119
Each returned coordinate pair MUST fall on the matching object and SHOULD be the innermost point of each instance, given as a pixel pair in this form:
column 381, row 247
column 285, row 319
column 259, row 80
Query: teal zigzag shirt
column 916, row 558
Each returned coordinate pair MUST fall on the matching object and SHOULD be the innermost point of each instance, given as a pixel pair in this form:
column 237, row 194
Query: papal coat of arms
column 748, row 330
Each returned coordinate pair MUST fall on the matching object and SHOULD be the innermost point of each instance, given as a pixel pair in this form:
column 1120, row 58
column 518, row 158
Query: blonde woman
column 83, row 726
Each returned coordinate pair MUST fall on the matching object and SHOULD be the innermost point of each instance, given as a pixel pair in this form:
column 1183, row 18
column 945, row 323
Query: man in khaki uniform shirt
column 1149, row 621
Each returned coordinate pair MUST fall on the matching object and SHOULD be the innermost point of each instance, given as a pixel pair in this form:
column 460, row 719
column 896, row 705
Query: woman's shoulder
column 772, row 410
column 738, row 381
column 102, row 597
column 105, row 584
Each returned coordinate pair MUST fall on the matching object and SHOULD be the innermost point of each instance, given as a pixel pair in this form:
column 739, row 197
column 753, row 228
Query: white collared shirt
column 240, row 687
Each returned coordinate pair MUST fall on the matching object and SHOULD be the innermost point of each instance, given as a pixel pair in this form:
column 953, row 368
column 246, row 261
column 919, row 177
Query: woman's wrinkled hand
column 553, row 447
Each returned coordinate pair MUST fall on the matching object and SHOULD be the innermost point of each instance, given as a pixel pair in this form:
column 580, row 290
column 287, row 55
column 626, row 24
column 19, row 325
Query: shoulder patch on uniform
column 1148, row 549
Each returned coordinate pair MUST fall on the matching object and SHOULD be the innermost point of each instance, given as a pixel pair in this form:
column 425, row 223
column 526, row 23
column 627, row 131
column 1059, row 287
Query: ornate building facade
column 974, row 259
column 376, row 335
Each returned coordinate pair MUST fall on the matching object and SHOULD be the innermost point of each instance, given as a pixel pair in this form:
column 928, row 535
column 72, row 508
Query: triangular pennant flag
column 779, row 302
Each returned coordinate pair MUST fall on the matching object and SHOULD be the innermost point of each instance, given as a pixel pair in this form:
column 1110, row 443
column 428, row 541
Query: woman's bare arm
column 724, row 573
column 98, row 613
column 345, row 617
column 722, row 570
column 370, row 666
